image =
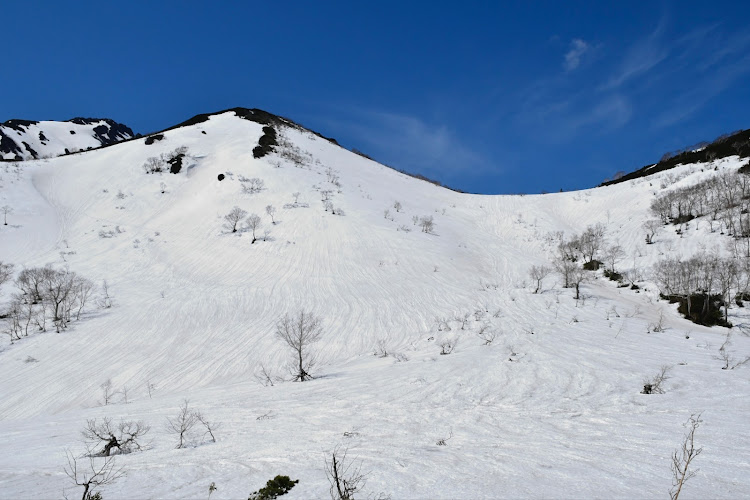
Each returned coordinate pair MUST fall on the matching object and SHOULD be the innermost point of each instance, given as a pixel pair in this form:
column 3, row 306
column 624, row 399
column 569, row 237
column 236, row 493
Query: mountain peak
column 28, row 139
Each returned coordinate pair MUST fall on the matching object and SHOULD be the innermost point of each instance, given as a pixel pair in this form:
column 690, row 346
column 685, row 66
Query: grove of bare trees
column 46, row 295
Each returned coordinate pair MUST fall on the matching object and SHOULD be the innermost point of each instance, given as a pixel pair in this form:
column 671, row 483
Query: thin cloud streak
column 578, row 48
column 410, row 143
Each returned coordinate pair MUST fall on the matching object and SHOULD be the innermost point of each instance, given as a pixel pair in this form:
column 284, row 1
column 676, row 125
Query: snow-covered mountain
column 438, row 368
column 25, row 139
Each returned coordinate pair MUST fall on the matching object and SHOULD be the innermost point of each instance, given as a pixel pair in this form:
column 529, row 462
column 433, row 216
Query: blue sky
column 489, row 97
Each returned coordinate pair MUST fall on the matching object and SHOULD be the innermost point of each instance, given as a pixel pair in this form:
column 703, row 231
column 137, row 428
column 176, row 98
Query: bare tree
column 183, row 423
column 298, row 333
column 154, row 165
column 577, row 278
column 296, row 197
column 612, row 255
column 254, row 185
column 105, row 301
column 254, row 223
column 108, row 391
column 210, row 426
column 6, row 272
column 345, row 477
column 683, row 457
column 163, row 187
column 94, row 476
column 124, row 437
column 591, row 241
column 270, row 210
column 427, row 224
column 58, row 288
column 6, row 209
column 82, row 291
column 564, row 265
column 654, row 385
column 538, row 273
column 233, row 218
column 652, row 227
column 397, row 206
column 487, row 333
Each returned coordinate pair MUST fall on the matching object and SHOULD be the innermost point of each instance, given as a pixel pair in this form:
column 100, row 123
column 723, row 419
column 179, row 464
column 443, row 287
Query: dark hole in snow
column 221, row 177
column 72, row 132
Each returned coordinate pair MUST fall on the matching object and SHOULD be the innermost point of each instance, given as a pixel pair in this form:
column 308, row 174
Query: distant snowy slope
column 24, row 139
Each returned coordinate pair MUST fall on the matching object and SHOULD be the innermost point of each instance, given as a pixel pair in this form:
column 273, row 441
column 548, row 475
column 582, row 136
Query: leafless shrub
column 345, row 476
column 463, row 320
column 658, row 325
column 427, row 224
column 726, row 356
column 683, row 457
column 108, row 392
column 94, row 476
column 124, row 437
column 105, row 301
column 208, row 425
column 150, row 387
column 381, row 349
column 487, row 334
column 443, row 324
column 444, row 441
column 266, row 377
column 183, row 423
column 252, row 186
column 653, row 385
column 154, row 165
column 397, row 206
column 448, row 346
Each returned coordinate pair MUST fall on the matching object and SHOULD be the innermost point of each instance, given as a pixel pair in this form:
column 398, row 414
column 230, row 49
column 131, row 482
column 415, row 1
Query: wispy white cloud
column 641, row 57
column 707, row 87
column 573, row 57
column 410, row 142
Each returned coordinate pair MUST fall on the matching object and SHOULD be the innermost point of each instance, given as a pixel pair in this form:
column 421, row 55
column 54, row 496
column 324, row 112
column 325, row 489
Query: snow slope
column 23, row 139
column 550, row 409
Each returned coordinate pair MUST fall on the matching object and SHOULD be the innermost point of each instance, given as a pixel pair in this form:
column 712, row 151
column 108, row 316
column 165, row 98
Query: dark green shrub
column 613, row 275
column 704, row 309
column 593, row 265
column 266, row 142
column 274, row 488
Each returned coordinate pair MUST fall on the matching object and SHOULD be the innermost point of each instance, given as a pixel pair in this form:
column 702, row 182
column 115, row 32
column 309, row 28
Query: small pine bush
column 274, row 488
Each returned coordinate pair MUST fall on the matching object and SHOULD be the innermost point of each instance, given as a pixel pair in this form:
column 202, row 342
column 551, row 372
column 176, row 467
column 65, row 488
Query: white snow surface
column 551, row 409
column 58, row 138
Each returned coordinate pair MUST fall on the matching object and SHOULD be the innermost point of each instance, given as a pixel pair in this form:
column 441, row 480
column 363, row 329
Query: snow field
column 553, row 413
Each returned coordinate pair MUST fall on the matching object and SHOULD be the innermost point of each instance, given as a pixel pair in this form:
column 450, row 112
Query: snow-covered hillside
column 24, row 139
column 551, row 407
